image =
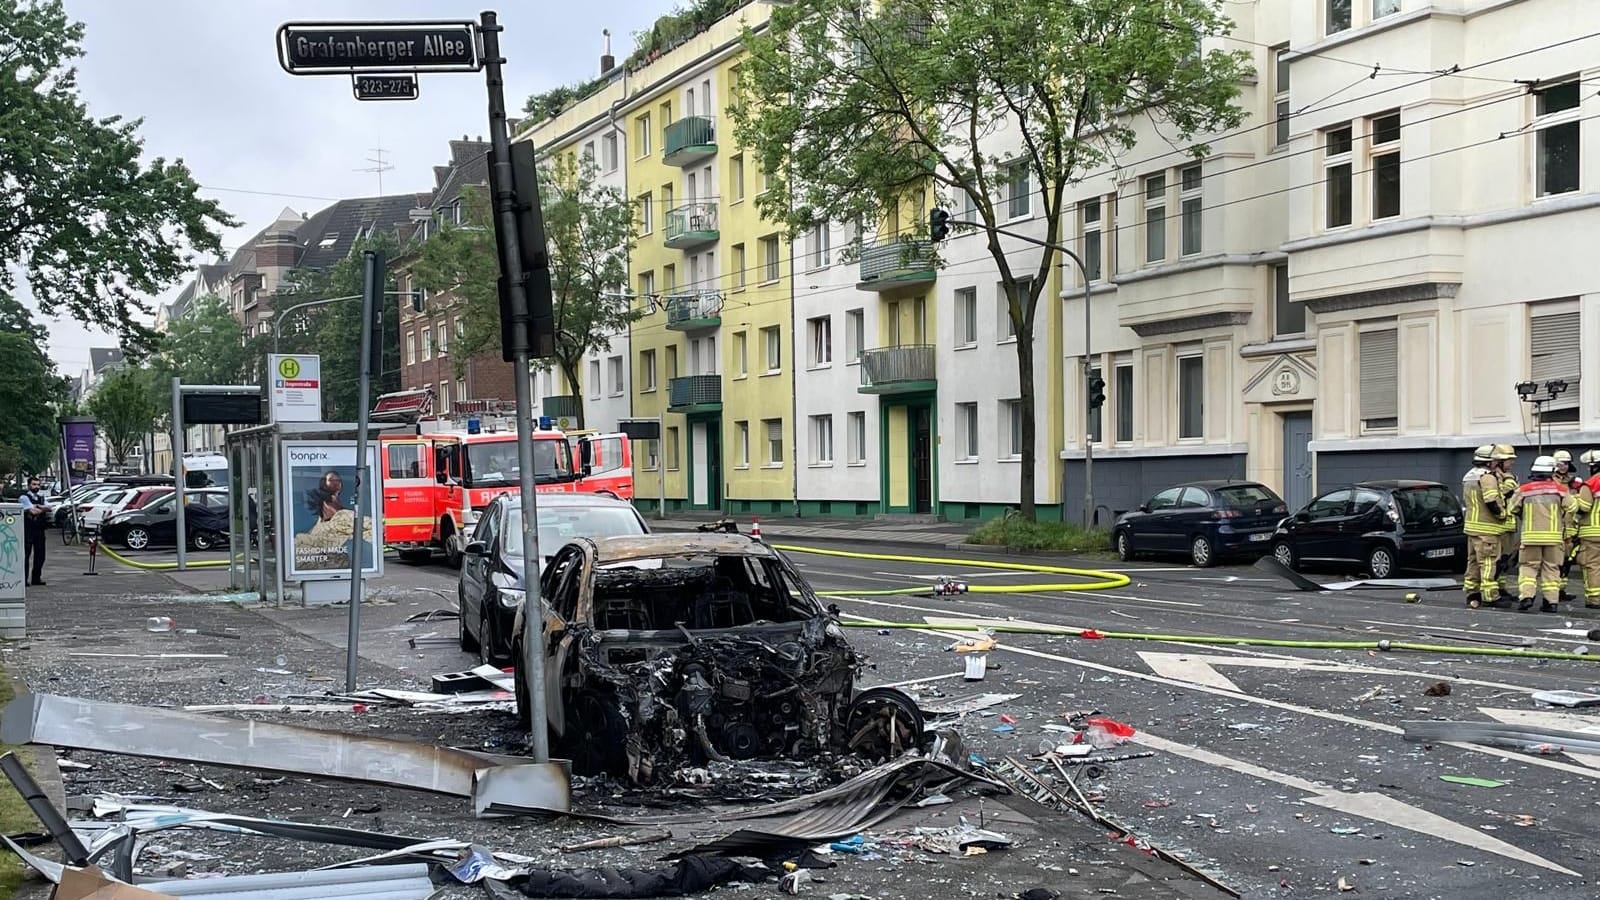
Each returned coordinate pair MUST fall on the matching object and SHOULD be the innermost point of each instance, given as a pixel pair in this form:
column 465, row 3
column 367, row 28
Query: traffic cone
column 755, row 528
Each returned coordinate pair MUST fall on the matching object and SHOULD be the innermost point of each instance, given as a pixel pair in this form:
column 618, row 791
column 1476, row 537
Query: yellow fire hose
column 1094, row 579
column 203, row 563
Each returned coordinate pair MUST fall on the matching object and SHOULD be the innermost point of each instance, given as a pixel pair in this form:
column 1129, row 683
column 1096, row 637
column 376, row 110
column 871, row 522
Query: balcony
column 694, row 310
column 898, row 370
column 694, row 393
column 563, row 406
column 689, row 140
column 890, row 265
column 691, row 225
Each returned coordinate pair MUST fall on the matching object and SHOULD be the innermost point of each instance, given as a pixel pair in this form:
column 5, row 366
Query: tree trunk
column 569, row 368
column 1025, row 382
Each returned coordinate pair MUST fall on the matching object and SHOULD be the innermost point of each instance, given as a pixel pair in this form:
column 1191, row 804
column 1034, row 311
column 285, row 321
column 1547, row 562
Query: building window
column 664, row 113
column 1336, row 167
column 1381, row 8
column 857, row 423
column 461, row 389
column 854, row 334
column 892, row 319
column 1338, row 16
column 615, row 365
column 652, row 455
column 818, row 252
column 411, row 348
column 594, row 379
column 821, row 333
column 741, row 444
column 669, row 278
column 642, row 134
column 1155, row 218
column 445, row 399
column 443, row 337
column 967, row 317
column 1007, row 328
column 1092, row 249
column 1385, row 131
column 1189, row 207
column 967, row 428
column 771, row 269
column 672, row 362
column 774, row 429
column 461, row 328
column 1122, row 391
column 647, row 292
column 672, row 448
column 1288, row 317
column 1191, row 397
column 1280, row 92
column 736, row 177
column 1018, row 179
column 738, row 267
column 1380, row 388
column 588, row 151
column 1557, row 356
column 822, row 440
column 1097, row 416
column 647, row 371
column 741, row 355
column 1557, row 139
column 1011, row 438
column 772, row 339
column 647, row 213
column 919, row 321
column 427, row 343
column 608, row 152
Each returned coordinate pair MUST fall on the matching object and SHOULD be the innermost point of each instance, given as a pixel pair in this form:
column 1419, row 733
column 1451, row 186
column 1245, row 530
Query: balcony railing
column 893, row 370
column 887, row 265
column 559, row 406
column 689, row 140
column 694, row 309
column 691, row 225
column 694, row 392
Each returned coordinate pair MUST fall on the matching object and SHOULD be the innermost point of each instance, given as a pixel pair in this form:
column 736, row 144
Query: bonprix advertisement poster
column 77, row 448
column 320, row 484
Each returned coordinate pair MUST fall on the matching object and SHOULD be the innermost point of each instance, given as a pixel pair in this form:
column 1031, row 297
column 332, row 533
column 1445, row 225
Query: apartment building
column 590, row 129
column 1352, row 285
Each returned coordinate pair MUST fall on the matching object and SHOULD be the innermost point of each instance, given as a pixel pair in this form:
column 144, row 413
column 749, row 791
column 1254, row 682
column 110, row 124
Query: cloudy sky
column 204, row 76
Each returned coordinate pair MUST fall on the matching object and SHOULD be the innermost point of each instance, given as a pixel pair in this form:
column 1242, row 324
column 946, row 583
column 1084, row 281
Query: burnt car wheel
column 204, row 540
column 883, row 723
column 524, row 701
column 598, row 734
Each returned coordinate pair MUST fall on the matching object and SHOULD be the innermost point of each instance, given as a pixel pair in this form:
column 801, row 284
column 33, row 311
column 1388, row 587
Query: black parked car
column 492, row 568
column 156, row 522
column 1205, row 520
column 1380, row 527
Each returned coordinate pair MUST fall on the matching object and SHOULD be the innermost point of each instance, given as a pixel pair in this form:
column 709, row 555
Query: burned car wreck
column 670, row 651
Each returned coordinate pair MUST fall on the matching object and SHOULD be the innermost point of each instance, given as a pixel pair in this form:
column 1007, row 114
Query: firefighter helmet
column 1504, row 451
column 1483, row 454
column 1590, row 458
column 1562, row 456
column 1544, row 465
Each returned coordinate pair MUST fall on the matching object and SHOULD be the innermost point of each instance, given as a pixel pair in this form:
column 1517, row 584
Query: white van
column 205, row 470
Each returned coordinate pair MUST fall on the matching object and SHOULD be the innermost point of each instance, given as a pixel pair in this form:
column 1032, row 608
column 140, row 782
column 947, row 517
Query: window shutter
column 1380, row 394
column 1557, row 354
column 774, row 429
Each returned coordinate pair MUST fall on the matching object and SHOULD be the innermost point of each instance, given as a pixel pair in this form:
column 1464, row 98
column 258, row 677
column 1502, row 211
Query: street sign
column 384, row 87
column 296, row 387
column 333, row 48
column 222, row 409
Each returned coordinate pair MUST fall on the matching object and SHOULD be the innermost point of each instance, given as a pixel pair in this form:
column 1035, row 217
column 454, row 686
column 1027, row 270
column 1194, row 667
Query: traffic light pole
column 502, row 186
column 939, row 217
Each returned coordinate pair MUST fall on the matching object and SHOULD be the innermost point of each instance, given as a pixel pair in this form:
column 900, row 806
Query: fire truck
column 442, row 472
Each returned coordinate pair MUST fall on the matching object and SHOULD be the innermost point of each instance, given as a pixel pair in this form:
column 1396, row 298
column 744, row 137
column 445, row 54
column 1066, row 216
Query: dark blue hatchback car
column 1203, row 520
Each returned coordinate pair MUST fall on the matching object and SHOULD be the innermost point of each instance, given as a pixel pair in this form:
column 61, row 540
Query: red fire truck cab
column 441, row 475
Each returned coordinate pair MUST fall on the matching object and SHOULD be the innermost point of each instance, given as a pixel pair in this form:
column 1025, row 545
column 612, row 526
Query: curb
column 996, row 550
column 851, row 538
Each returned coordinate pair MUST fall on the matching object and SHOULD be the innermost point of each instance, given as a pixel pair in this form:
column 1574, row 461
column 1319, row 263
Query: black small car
column 1204, row 520
column 1380, row 527
column 155, row 524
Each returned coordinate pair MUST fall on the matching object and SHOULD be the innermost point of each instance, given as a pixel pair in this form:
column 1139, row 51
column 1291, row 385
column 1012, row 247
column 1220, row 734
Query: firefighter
column 1504, row 455
column 1588, row 514
column 1542, row 506
column 1569, row 535
column 1480, row 491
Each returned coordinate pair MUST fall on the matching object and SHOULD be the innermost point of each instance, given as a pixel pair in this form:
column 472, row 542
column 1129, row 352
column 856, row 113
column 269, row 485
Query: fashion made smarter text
column 356, row 46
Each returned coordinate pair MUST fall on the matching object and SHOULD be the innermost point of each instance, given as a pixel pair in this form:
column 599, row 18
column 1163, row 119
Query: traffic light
column 1097, row 392
column 534, row 328
column 938, row 224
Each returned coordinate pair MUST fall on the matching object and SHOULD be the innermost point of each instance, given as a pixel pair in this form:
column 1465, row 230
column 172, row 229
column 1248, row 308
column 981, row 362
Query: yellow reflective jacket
column 1508, row 489
column 1479, row 488
column 1588, row 510
column 1543, row 508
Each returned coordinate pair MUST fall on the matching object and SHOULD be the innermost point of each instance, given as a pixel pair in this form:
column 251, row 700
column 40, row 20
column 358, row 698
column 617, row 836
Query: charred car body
column 668, row 651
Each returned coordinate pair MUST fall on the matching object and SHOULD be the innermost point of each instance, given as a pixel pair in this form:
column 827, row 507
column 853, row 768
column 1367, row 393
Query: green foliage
column 553, row 102
column 10, row 462
column 93, row 228
column 125, row 408
column 589, row 228
column 1016, row 533
column 855, row 115
column 30, row 389
column 206, row 346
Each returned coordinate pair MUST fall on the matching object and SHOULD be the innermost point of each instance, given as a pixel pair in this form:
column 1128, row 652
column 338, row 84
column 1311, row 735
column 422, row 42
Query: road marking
column 1423, row 626
column 898, row 684
column 1367, row 805
column 1539, row 718
column 1199, row 667
column 1232, row 578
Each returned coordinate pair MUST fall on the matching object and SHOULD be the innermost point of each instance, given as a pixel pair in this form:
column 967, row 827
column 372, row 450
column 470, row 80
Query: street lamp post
column 308, row 304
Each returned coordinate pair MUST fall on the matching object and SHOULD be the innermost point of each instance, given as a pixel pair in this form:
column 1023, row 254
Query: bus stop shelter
column 261, row 524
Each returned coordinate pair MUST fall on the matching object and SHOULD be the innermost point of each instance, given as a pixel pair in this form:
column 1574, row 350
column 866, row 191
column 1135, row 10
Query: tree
column 853, row 113
column 125, row 410
column 207, row 346
column 30, row 389
column 94, row 229
column 589, row 229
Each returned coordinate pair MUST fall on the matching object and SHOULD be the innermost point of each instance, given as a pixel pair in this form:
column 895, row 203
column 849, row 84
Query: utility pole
column 371, row 305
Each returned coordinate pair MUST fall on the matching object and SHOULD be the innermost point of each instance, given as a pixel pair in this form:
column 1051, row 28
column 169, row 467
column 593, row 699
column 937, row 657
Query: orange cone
column 755, row 529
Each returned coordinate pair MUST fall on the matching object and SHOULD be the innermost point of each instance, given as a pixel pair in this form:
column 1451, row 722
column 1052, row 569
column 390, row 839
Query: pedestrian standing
column 1505, row 455
column 1480, row 488
column 1542, row 506
column 1588, row 509
column 35, row 515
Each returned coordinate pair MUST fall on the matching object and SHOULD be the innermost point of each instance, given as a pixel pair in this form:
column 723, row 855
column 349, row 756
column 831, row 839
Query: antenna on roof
column 379, row 165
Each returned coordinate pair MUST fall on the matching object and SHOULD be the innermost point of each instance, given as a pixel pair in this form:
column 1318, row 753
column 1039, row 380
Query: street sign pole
column 504, row 190
column 371, row 303
column 180, row 520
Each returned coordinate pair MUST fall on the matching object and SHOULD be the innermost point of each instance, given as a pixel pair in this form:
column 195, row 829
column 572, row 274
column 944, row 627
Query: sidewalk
column 945, row 535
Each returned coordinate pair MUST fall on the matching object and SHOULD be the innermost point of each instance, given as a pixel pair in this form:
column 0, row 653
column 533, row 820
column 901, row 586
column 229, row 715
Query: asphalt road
column 1276, row 769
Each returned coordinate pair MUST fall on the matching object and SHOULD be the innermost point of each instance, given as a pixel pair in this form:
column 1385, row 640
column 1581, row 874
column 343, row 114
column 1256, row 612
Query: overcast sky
column 204, row 76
